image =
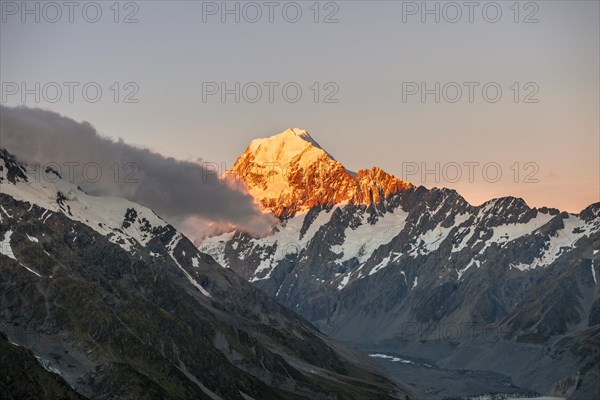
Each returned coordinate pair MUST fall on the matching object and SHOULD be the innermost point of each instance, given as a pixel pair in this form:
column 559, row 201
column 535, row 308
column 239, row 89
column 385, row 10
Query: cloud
column 185, row 193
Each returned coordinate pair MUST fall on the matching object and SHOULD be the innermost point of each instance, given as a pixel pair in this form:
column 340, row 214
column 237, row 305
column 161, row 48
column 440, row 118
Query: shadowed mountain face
column 414, row 267
column 111, row 298
column 23, row 377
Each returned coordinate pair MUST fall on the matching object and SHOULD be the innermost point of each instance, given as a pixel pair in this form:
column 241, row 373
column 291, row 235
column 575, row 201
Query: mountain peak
column 291, row 142
column 302, row 134
column 278, row 152
column 290, row 173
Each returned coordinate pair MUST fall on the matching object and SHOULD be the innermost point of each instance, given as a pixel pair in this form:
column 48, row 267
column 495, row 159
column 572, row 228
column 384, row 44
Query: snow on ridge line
column 105, row 214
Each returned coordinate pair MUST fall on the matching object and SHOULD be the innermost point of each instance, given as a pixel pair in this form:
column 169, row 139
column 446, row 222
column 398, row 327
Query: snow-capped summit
column 284, row 147
column 290, row 173
column 302, row 134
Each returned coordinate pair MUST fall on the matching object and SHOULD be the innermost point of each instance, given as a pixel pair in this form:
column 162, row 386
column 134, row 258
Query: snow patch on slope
column 362, row 241
column 506, row 233
column 431, row 240
column 565, row 238
column 503, row 234
column 6, row 249
column 5, row 246
column 285, row 241
column 471, row 263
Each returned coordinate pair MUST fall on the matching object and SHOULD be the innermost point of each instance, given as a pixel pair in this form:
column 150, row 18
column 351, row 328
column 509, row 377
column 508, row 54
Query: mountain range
column 101, row 298
column 366, row 287
column 505, row 291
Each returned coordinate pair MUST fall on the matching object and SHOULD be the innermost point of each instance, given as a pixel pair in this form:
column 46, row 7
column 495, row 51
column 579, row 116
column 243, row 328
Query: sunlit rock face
column 290, row 173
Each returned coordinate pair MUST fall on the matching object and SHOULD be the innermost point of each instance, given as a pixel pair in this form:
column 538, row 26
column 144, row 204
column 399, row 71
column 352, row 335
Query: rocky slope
column 405, row 268
column 113, row 299
column 23, row 377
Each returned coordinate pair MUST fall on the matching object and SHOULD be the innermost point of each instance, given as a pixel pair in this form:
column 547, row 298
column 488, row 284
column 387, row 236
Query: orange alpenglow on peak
column 378, row 185
column 290, row 173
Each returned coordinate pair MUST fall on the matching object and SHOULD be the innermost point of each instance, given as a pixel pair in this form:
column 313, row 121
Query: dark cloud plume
column 185, row 193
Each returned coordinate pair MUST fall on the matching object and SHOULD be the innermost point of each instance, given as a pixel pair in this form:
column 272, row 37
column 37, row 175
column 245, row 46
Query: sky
column 367, row 71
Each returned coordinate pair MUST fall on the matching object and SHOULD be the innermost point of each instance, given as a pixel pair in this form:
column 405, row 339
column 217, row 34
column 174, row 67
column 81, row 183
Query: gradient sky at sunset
column 367, row 54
